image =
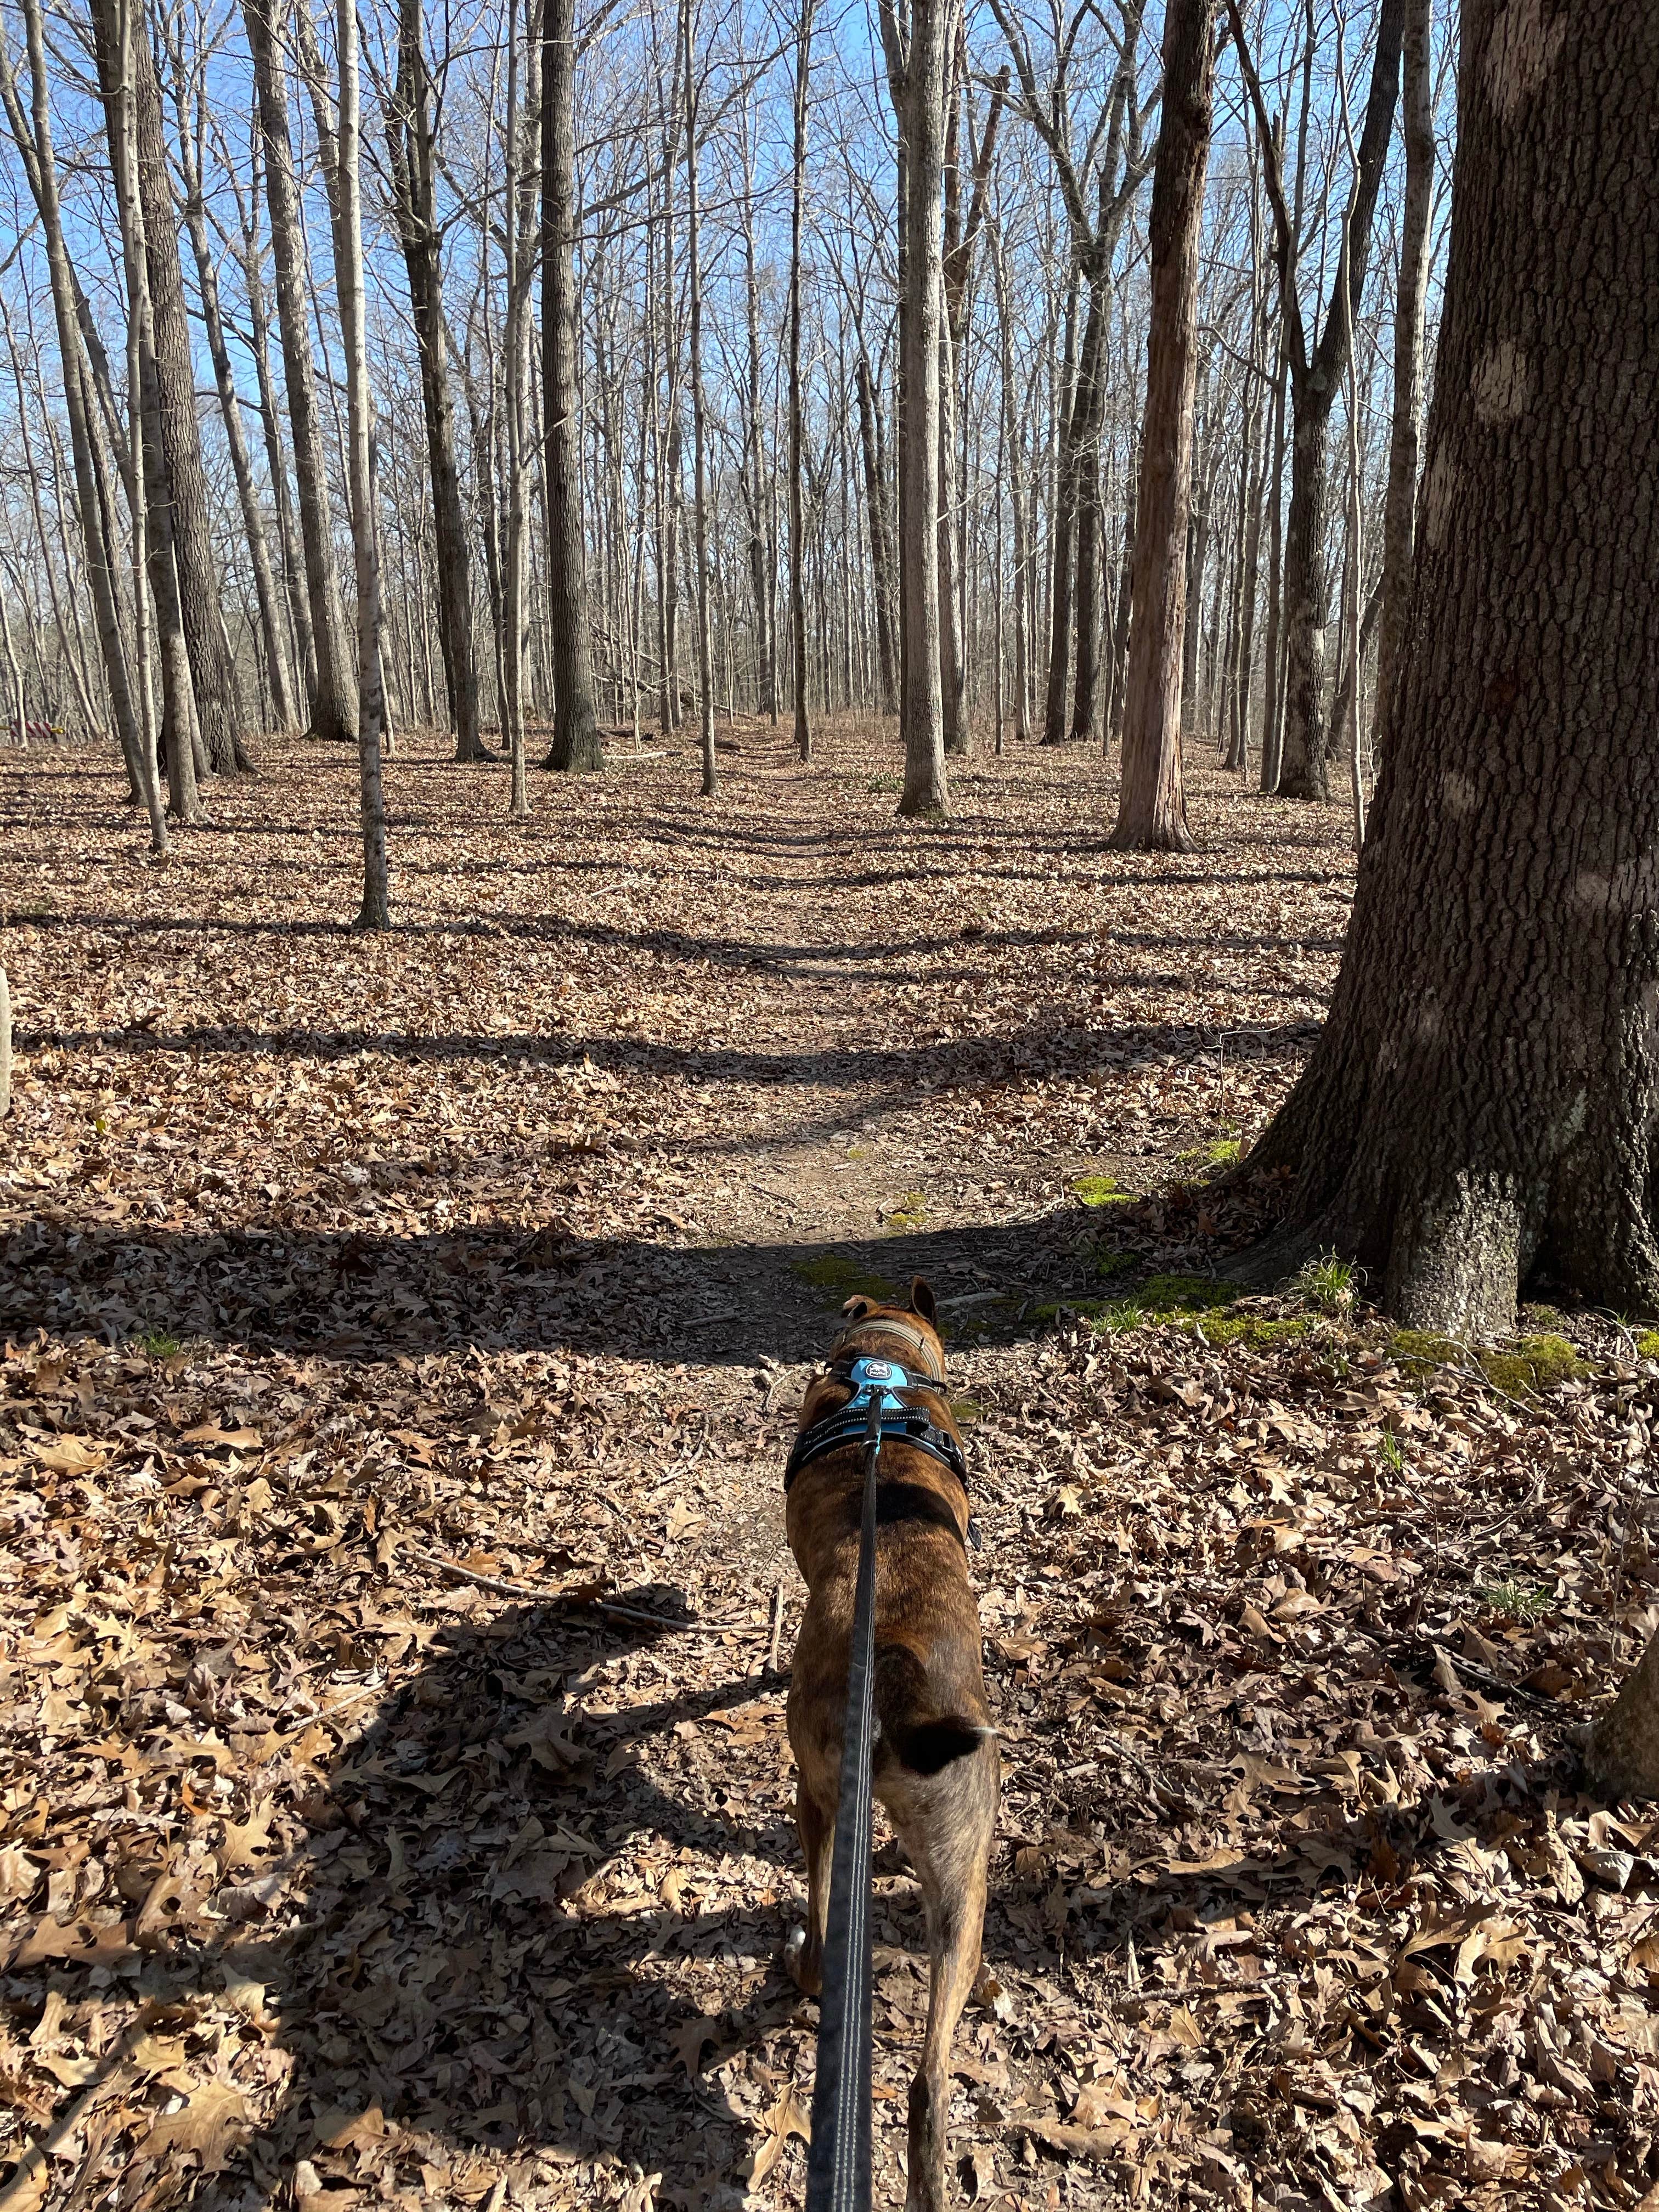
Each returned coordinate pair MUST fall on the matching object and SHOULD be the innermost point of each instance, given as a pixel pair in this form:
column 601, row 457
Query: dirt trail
column 505, row 1239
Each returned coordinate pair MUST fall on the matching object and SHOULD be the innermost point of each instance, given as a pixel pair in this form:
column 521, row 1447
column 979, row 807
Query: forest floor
column 506, row 1241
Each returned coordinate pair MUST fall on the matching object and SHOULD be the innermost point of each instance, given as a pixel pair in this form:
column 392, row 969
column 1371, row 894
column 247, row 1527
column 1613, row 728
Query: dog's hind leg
column 816, row 1825
column 953, row 1884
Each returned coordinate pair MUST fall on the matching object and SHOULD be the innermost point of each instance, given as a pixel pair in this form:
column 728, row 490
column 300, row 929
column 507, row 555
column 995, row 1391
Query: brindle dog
column 936, row 1764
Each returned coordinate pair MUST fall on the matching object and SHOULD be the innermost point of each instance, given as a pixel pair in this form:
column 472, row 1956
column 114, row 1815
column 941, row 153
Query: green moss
column 1185, row 1294
column 1421, row 1347
column 1219, row 1152
column 1114, row 1314
column 967, row 1411
column 1101, row 1190
column 1108, row 1264
column 1647, row 1345
column 1535, row 1363
column 160, row 1346
column 842, row 1278
column 1254, row 1331
column 909, row 1211
column 1530, row 1364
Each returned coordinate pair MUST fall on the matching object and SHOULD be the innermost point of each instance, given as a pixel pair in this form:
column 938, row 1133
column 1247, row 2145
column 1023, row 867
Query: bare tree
column 149, row 491
column 1151, row 811
column 374, row 913
column 797, row 458
column 199, row 584
column 413, row 161
column 334, row 700
column 575, row 724
column 1315, row 375
column 34, row 142
column 916, row 55
column 189, row 112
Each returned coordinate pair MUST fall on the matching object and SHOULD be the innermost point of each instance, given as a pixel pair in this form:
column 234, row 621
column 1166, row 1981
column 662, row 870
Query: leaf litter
column 376, row 1312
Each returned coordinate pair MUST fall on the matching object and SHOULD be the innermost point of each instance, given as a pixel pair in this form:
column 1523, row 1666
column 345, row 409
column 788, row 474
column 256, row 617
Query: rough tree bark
column 1483, row 1101
column 575, row 724
column 1405, row 432
column 1151, row 811
column 699, row 410
column 374, row 912
column 334, row 699
column 1623, row 1755
column 916, row 69
column 797, row 459
column 413, row 161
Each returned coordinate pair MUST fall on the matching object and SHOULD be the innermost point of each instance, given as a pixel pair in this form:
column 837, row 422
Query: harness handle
column 838, row 2159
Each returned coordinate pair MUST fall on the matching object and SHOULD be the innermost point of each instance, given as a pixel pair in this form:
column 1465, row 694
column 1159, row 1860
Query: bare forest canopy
column 690, row 130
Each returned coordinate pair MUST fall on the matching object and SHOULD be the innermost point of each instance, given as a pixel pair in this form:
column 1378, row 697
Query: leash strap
column 838, row 2159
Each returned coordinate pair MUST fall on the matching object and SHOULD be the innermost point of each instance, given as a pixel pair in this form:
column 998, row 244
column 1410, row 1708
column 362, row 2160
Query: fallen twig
column 577, row 1594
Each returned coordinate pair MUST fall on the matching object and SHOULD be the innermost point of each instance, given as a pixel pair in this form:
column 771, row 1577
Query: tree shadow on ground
column 356, row 1295
column 523, row 1925
column 488, row 1932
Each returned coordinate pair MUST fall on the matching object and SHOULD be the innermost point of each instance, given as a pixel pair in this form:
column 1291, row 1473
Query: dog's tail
column 919, row 1735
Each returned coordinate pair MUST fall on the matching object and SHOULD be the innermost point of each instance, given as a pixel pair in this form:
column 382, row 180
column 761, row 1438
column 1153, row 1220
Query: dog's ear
column 856, row 1309
column 922, row 1300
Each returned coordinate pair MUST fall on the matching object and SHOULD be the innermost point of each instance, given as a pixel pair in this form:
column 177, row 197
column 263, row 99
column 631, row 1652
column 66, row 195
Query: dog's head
column 916, row 1323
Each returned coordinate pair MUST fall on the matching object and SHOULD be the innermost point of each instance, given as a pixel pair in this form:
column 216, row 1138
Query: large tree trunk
column 349, row 284
column 1484, row 1098
column 414, row 179
column 575, row 725
column 699, row 411
column 921, row 125
column 1404, row 436
column 1151, row 811
column 1623, row 1756
column 797, row 462
column 200, row 583
column 334, row 702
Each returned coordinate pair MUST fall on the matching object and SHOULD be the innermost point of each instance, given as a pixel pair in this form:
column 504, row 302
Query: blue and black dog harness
column 882, row 1380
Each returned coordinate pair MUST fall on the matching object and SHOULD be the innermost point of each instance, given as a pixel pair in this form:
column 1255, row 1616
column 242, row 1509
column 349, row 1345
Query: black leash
column 838, row 2159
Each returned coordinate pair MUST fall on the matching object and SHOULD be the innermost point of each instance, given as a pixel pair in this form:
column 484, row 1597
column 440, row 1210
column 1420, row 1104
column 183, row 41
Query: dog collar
column 901, row 1331
column 902, row 1423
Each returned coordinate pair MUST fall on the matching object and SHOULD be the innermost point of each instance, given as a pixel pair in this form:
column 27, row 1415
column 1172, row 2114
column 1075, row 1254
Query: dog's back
column 936, row 1769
